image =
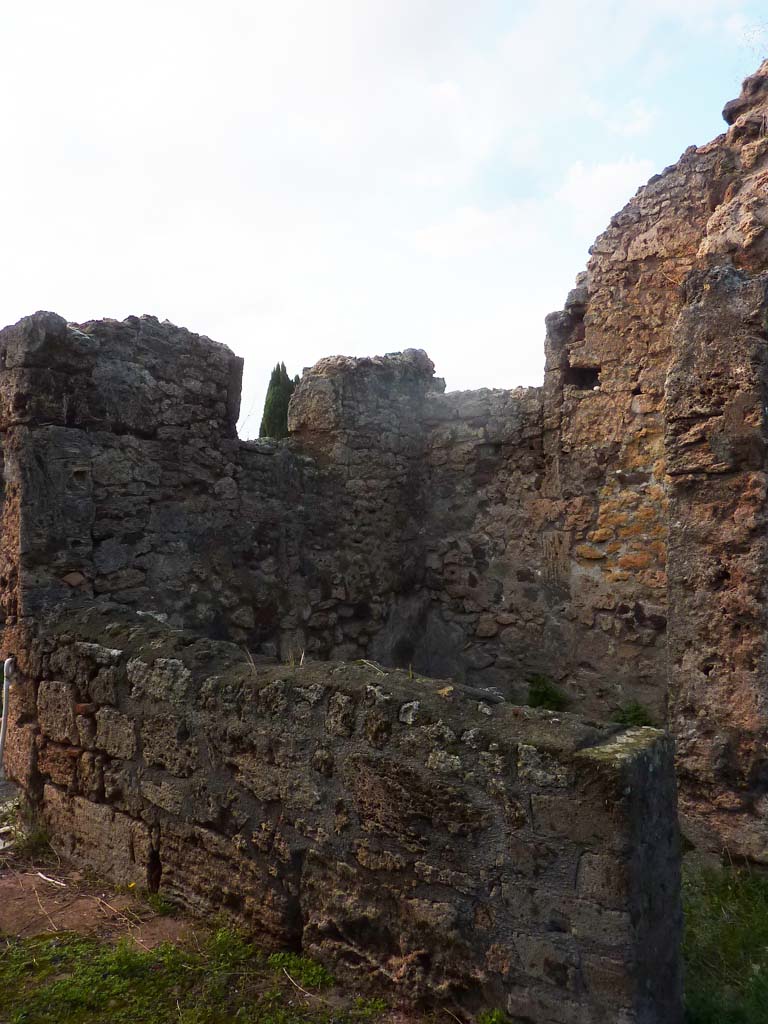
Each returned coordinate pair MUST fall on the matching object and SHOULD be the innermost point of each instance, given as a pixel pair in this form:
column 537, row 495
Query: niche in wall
column 585, row 378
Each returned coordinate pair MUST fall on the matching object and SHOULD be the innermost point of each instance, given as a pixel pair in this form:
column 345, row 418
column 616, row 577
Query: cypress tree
column 274, row 422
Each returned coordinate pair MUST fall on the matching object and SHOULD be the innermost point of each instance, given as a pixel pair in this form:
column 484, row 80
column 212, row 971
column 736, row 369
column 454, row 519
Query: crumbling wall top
column 136, row 376
column 754, row 93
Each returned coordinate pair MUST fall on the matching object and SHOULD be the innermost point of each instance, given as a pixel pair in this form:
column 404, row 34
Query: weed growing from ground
column 34, row 844
column 369, row 1009
column 492, row 1017
column 161, row 905
column 25, row 836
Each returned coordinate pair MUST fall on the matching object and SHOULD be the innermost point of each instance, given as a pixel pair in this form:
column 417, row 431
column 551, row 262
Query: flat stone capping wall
column 404, row 831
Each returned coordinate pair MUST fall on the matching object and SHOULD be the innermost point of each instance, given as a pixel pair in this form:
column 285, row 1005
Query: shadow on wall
column 415, row 636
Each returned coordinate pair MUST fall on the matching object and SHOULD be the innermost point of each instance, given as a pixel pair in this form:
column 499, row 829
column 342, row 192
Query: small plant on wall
column 633, row 713
column 542, row 693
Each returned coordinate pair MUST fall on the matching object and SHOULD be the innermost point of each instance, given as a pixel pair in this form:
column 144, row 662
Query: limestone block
column 86, row 731
column 90, row 776
column 167, row 794
column 602, row 878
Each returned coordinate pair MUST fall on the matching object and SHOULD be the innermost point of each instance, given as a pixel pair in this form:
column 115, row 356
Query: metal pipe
column 8, row 665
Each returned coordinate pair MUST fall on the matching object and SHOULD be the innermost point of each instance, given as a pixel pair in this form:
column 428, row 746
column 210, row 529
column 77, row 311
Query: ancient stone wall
column 124, row 481
column 568, row 532
column 408, row 833
column 663, row 458
column 716, row 403
column 480, row 611
column 118, row 441
column 178, row 726
column 397, row 522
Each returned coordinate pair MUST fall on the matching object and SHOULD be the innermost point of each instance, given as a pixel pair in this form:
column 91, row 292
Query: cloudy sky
column 306, row 177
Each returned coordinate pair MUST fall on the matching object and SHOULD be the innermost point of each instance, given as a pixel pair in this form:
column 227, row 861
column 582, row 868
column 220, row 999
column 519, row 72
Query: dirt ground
column 41, row 901
column 40, row 894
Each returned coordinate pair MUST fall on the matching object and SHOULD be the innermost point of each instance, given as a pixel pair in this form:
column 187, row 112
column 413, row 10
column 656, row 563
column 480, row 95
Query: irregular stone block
column 59, row 764
column 166, row 794
column 164, row 679
column 20, row 756
column 165, row 744
column 56, row 711
column 115, row 733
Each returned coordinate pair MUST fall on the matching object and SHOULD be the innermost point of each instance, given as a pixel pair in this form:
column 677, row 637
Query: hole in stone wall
column 585, row 378
column 79, row 480
column 154, row 871
column 69, row 410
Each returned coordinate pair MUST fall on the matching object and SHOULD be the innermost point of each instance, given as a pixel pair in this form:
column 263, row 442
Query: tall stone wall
column 472, row 612
column 362, row 422
column 717, row 397
column 664, row 455
column 119, row 440
column 412, row 836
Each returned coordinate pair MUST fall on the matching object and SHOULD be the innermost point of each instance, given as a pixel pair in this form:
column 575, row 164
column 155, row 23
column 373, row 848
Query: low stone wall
column 404, row 831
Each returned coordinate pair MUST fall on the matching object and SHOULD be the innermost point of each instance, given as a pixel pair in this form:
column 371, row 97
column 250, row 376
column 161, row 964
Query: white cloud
column 300, row 178
column 630, row 120
column 592, row 193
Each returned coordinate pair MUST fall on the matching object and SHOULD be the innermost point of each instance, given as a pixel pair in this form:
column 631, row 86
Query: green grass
column 725, row 947
column 542, row 693
column 67, row 977
column 303, row 970
column 34, row 843
column 369, row 1009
